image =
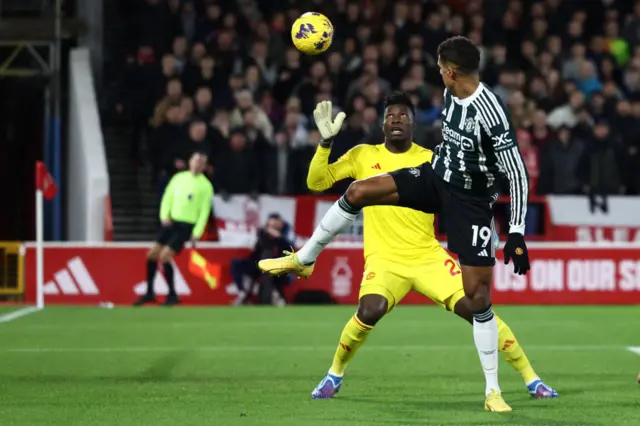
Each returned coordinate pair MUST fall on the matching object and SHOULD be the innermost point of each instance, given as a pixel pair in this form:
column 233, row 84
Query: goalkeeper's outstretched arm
column 323, row 175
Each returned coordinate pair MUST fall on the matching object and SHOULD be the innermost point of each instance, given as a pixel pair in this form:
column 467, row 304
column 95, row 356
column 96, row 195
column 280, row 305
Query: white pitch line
column 634, row 349
column 230, row 348
column 17, row 314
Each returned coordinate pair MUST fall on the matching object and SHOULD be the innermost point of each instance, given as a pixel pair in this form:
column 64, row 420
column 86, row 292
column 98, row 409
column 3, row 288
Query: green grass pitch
column 257, row 366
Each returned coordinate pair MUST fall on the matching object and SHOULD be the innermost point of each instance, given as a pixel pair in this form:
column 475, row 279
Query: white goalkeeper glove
column 327, row 125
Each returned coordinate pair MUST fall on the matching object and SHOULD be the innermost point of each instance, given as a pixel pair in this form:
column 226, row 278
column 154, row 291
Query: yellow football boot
column 288, row 264
column 495, row 402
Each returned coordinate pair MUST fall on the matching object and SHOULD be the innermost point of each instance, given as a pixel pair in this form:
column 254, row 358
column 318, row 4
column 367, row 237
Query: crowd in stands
column 224, row 77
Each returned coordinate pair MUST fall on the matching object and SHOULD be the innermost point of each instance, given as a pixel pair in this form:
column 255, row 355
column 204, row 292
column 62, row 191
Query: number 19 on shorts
column 483, row 233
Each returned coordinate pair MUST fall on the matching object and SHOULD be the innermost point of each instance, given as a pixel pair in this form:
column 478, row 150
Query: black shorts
column 467, row 218
column 175, row 235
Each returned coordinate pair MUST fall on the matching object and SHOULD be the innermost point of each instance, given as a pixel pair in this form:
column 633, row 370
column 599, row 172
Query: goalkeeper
column 400, row 247
column 184, row 212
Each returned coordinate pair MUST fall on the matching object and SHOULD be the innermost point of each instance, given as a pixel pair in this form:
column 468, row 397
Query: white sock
column 485, row 336
column 339, row 216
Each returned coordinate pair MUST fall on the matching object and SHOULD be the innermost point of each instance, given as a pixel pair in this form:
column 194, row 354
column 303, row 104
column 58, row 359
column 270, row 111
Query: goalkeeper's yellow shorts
column 437, row 277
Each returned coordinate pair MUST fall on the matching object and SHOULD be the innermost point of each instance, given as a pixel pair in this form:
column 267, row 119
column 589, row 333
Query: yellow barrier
column 11, row 268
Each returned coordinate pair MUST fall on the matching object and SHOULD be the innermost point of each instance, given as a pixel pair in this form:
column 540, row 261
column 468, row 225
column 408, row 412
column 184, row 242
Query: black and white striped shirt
column 479, row 142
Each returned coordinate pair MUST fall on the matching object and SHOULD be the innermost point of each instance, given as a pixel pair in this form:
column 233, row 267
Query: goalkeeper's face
column 398, row 123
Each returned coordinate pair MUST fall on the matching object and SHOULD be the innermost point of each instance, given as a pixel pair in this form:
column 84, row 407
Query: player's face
column 197, row 163
column 447, row 72
column 398, row 123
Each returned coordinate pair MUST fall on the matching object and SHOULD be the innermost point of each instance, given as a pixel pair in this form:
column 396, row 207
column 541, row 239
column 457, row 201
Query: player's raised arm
column 323, row 175
column 497, row 122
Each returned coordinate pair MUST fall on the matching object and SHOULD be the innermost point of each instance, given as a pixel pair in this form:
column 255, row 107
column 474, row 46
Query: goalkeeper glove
column 516, row 250
column 327, row 125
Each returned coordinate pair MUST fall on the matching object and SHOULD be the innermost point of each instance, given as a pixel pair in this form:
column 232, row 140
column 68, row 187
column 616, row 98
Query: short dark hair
column 399, row 98
column 462, row 52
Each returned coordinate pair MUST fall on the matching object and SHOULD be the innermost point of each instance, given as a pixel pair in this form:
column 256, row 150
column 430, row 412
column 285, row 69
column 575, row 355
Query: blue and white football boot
column 328, row 387
column 538, row 389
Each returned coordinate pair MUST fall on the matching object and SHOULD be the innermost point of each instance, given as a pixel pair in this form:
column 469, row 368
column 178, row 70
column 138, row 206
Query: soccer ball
column 312, row 33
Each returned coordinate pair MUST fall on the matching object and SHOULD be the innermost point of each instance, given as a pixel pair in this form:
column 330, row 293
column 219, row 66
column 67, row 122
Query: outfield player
column 478, row 144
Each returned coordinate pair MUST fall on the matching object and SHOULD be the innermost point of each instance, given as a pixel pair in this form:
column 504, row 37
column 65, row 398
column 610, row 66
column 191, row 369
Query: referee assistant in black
column 184, row 212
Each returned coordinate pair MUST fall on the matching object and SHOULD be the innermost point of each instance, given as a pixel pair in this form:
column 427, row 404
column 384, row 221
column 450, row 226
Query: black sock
column 344, row 205
column 168, row 275
column 152, row 267
column 483, row 315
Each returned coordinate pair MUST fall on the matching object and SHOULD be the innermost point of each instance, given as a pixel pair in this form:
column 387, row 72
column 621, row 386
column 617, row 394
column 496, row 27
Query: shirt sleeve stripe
column 482, row 111
column 514, row 189
column 498, row 108
column 492, row 117
column 511, row 161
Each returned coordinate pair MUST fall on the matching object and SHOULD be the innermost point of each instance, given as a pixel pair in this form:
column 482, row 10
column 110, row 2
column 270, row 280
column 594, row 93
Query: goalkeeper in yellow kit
column 400, row 247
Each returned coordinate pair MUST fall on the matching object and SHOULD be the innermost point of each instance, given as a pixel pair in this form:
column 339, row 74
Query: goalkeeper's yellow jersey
column 394, row 233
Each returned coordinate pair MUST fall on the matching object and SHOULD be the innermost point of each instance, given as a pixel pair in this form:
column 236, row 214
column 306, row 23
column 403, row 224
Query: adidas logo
column 483, row 253
column 376, row 166
column 75, row 279
column 160, row 286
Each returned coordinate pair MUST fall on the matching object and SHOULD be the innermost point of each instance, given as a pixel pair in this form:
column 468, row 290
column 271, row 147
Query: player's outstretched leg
column 377, row 190
column 476, row 281
column 371, row 308
column 512, row 352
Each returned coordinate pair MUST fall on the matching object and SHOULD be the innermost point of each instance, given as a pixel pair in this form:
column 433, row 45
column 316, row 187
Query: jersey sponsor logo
column 376, row 166
column 502, row 141
column 483, row 253
column 72, row 280
column 370, row 276
column 455, row 138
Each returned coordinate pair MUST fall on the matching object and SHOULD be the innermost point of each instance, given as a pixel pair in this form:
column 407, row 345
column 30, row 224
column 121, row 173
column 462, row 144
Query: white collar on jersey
column 466, row 101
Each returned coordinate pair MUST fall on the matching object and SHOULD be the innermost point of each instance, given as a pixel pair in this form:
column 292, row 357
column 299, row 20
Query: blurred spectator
column 540, row 131
column 186, row 107
column 197, row 141
column 568, row 114
column 559, row 164
column 245, row 102
column 203, row 104
column 600, row 166
column 278, row 165
column 237, row 169
column 272, row 240
column 172, row 97
column 180, row 53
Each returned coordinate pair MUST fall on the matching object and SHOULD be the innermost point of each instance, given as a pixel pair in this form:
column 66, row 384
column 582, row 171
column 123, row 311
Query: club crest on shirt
column 470, row 125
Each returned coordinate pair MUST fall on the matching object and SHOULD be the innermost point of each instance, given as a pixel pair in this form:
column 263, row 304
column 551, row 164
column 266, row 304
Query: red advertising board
column 560, row 274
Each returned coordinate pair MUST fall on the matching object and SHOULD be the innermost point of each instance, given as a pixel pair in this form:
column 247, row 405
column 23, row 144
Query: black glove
column 516, row 250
